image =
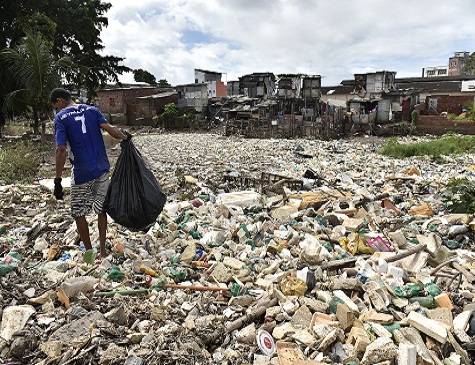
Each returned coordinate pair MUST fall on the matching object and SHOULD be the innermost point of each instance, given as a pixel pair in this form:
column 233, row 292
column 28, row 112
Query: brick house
column 134, row 105
column 440, row 94
column 148, row 107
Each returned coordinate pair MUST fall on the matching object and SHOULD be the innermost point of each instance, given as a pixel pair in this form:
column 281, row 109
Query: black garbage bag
column 134, row 198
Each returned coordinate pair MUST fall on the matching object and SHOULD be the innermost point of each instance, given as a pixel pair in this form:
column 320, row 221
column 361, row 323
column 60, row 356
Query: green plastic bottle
column 321, row 220
column 244, row 228
column 427, row 302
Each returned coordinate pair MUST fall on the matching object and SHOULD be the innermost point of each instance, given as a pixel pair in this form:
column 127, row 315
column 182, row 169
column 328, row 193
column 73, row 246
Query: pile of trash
column 266, row 252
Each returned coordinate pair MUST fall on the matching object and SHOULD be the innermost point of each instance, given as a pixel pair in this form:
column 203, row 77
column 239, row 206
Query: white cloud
column 334, row 39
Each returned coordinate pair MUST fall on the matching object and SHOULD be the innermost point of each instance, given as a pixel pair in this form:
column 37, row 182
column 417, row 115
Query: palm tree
column 36, row 73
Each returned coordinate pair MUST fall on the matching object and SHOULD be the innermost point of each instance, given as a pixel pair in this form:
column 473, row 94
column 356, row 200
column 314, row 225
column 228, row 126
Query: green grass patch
column 19, row 162
column 448, row 144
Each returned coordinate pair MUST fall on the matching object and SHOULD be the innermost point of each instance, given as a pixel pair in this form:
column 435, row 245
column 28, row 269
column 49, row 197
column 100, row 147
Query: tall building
column 454, row 67
column 216, row 87
column 457, row 62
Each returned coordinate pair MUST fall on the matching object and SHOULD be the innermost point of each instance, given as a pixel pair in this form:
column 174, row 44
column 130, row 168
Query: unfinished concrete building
column 260, row 85
column 370, row 102
column 286, row 106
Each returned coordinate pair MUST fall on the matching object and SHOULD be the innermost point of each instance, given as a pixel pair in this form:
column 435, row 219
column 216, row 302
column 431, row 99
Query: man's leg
column 83, row 229
column 102, row 227
column 100, row 191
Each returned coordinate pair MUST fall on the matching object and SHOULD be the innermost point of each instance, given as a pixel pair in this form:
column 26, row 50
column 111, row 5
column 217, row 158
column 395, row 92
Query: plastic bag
column 134, row 198
column 431, row 289
column 407, row 291
column 10, row 263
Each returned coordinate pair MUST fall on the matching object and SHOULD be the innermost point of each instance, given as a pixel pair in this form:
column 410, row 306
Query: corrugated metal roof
column 160, row 95
column 337, row 90
column 431, row 84
column 442, row 85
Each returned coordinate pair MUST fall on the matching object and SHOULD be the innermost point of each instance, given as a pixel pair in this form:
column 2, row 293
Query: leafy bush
column 414, row 117
column 19, row 162
column 459, row 196
column 470, row 108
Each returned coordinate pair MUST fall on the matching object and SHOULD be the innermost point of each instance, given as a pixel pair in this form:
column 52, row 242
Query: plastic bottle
column 457, row 229
column 182, row 218
column 427, row 302
column 82, row 284
column 321, row 220
column 244, row 228
column 192, row 233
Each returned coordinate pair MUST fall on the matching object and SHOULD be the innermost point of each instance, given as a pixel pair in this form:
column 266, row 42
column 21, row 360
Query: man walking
column 78, row 130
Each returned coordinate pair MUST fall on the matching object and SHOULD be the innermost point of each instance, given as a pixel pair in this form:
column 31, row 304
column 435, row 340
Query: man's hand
column 127, row 134
column 58, row 188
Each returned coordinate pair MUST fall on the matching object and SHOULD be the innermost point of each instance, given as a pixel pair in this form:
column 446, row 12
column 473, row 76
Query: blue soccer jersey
column 78, row 127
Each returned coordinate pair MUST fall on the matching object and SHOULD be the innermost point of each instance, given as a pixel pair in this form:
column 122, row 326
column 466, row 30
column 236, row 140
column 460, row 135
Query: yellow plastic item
column 274, row 248
column 148, row 271
column 358, row 246
column 362, row 247
column 292, row 285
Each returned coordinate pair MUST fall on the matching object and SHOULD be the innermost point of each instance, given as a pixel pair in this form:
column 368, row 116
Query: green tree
column 163, row 83
column 73, row 29
column 36, row 73
column 144, row 76
column 469, row 66
column 10, row 30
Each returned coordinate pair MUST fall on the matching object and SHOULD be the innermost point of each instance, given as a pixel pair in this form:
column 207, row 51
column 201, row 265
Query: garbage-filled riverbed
column 268, row 251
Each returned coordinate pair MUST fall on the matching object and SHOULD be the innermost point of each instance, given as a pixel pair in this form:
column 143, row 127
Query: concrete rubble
column 332, row 255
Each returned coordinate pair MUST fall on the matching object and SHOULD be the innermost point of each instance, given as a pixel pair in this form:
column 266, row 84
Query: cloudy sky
column 331, row 38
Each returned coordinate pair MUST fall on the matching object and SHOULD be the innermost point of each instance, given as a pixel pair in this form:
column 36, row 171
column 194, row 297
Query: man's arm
column 113, row 131
column 61, row 155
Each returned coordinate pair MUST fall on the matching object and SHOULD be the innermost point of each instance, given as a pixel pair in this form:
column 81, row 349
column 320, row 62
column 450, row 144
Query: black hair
column 60, row 93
